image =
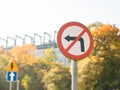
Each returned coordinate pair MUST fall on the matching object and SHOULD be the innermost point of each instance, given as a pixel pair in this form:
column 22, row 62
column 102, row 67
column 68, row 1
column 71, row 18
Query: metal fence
column 42, row 43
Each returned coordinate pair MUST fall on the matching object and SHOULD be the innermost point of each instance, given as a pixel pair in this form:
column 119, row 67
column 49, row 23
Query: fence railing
column 42, row 43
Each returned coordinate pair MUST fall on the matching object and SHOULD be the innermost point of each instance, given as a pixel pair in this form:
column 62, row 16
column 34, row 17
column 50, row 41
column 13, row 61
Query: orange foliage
column 24, row 54
column 106, row 41
column 105, row 30
column 1, row 50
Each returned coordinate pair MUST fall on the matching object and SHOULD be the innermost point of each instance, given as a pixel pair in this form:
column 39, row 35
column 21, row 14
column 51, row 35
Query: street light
column 29, row 37
column 23, row 41
column 5, row 41
column 45, row 33
column 39, row 37
column 11, row 39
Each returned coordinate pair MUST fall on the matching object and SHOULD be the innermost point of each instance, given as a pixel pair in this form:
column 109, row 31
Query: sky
column 20, row 17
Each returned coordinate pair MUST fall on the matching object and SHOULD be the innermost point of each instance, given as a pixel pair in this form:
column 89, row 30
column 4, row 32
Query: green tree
column 94, row 25
column 50, row 55
column 57, row 78
column 26, row 82
column 89, row 71
column 4, row 59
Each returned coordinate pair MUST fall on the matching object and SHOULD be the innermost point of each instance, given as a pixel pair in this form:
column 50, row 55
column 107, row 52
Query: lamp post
column 23, row 41
column 5, row 41
column 29, row 37
column 39, row 37
column 11, row 39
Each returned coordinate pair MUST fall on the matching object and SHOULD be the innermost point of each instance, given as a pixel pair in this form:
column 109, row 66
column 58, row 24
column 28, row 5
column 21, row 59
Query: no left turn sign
column 75, row 40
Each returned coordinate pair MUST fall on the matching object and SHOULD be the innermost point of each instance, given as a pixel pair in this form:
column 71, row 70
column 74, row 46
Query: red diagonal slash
column 77, row 38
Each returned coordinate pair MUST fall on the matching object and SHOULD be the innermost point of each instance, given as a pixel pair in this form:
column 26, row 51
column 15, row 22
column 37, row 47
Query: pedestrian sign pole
column 12, row 72
column 75, row 42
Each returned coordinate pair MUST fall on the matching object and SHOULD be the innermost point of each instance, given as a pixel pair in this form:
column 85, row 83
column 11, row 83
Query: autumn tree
column 101, row 70
column 27, row 61
column 37, row 75
column 32, row 69
column 107, row 46
column 24, row 54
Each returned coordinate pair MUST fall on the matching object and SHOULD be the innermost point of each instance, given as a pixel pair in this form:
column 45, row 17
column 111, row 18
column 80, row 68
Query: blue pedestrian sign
column 12, row 76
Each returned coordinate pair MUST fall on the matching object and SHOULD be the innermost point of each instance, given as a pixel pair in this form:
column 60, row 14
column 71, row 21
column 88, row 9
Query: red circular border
column 63, row 50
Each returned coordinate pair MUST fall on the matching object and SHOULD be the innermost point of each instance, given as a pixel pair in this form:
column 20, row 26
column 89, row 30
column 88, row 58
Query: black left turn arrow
column 71, row 38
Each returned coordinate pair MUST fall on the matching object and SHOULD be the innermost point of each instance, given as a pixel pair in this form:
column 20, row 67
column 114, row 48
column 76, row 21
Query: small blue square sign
column 12, row 76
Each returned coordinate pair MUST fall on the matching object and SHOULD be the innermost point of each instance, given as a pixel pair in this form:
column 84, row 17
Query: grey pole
column 18, row 84
column 28, row 37
column 19, row 38
column 55, row 32
column 5, row 41
column 10, row 88
column 74, row 75
column 45, row 33
column 11, row 39
column 39, row 37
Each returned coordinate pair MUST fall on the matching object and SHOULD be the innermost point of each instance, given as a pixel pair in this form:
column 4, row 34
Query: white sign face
column 68, row 37
column 75, row 40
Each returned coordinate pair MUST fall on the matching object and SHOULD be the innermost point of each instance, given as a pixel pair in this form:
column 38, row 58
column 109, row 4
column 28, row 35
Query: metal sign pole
column 67, row 39
column 10, row 88
column 17, row 84
column 74, row 75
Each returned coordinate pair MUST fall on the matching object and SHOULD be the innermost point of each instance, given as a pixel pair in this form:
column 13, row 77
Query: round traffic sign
column 75, row 40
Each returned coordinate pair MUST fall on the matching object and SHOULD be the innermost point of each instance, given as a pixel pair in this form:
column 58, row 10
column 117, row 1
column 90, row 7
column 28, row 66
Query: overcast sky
column 19, row 17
